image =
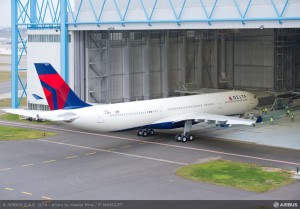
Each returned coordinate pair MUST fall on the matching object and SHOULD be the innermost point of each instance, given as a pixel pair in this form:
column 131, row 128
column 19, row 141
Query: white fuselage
column 130, row 115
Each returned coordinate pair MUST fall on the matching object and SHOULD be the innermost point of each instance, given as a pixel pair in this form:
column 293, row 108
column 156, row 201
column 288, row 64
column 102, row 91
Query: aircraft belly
column 116, row 124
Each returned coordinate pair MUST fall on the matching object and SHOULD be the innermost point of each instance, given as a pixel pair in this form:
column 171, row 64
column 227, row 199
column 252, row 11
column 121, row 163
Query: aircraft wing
column 207, row 117
column 59, row 115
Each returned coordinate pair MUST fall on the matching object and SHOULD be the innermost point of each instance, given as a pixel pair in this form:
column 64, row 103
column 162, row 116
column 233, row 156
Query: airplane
column 145, row 116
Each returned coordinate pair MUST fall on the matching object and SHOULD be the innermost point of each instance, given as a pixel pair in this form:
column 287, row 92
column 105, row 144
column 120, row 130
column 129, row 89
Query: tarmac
column 281, row 133
column 5, row 61
column 79, row 165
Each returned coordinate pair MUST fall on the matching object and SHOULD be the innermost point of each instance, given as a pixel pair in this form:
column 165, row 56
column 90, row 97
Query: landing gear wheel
column 189, row 137
column 151, row 132
column 178, row 138
column 145, row 133
column 183, row 139
column 140, row 132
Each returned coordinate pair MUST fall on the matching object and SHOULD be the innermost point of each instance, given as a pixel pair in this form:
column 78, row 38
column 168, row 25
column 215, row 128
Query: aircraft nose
column 253, row 100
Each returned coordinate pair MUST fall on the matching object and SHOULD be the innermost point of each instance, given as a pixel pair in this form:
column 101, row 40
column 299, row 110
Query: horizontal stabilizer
column 37, row 97
column 58, row 115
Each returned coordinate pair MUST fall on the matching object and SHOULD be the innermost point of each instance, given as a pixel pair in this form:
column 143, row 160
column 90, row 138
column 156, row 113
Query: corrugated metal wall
column 135, row 65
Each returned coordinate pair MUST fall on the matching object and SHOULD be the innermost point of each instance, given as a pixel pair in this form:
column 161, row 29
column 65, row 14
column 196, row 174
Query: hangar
column 122, row 50
column 116, row 51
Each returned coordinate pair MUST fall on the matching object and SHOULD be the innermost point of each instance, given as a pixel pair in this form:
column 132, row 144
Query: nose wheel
column 145, row 132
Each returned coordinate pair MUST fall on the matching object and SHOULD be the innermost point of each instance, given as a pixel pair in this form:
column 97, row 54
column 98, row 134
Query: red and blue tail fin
column 58, row 93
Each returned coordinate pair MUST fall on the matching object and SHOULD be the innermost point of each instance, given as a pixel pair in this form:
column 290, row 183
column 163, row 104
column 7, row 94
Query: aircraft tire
column 177, row 138
column 151, row 132
column 140, row 132
column 145, row 133
column 183, row 139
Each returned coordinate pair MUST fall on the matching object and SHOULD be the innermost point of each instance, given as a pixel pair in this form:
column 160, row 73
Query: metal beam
column 33, row 16
column 14, row 54
column 64, row 64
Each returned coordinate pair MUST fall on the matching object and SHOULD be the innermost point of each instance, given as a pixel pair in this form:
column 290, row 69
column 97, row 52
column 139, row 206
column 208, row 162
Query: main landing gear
column 145, row 132
column 185, row 136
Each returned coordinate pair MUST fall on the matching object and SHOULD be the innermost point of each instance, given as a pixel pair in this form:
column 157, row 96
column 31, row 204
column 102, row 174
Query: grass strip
column 9, row 133
column 244, row 176
column 7, row 102
column 6, row 75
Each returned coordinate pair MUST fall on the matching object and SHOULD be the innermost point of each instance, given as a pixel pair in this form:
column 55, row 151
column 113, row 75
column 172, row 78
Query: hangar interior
column 118, row 51
column 117, row 65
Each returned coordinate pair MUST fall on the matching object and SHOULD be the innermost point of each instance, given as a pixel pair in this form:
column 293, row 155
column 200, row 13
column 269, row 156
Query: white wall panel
column 45, row 52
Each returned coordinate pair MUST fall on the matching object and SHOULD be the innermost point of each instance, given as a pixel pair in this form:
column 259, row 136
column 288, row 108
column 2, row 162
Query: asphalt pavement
column 123, row 166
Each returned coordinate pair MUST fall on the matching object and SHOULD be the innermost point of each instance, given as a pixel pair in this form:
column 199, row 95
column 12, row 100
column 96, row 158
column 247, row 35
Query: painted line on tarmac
column 5, row 169
column 71, row 157
column 27, row 165
column 114, row 152
column 192, row 148
column 128, row 146
column 91, row 153
column 49, row 161
column 157, row 143
column 47, row 198
column 27, row 193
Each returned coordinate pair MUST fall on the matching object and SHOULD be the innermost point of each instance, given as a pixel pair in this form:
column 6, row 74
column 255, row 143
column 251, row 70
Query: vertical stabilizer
column 58, row 93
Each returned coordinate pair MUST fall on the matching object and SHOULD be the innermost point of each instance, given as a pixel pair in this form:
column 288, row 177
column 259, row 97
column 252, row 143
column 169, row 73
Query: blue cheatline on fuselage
column 165, row 125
